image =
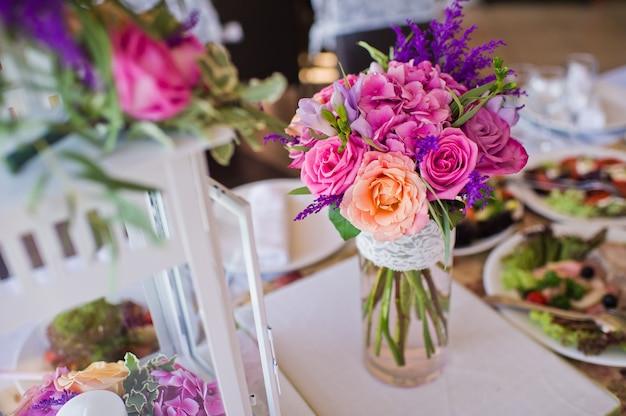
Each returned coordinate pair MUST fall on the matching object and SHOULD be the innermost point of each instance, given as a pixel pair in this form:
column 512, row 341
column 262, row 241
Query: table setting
column 347, row 292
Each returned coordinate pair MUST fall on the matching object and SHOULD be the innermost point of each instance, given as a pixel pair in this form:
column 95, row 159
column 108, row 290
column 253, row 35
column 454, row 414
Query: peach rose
column 388, row 198
column 99, row 375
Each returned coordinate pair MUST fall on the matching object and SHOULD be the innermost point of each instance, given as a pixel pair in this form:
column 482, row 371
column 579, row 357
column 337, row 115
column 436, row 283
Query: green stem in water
column 403, row 302
column 441, row 322
column 422, row 304
column 383, row 323
column 371, row 301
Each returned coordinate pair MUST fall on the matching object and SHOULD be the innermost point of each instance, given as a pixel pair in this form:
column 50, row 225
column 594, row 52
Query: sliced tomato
column 536, row 297
column 595, row 196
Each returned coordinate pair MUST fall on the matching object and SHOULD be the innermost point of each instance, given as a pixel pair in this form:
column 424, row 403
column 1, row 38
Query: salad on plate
column 568, row 271
column 580, row 184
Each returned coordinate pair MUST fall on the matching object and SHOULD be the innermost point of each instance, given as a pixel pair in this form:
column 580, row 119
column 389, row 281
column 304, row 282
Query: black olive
column 587, row 272
column 609, row 301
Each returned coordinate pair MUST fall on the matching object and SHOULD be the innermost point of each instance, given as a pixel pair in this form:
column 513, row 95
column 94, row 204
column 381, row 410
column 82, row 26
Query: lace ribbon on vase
column 410, row 252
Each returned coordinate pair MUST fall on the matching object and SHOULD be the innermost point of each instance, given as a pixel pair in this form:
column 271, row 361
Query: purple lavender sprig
column 54, row 401
column 320, row 202
column 477, row 189
column 44, row 21
column 441, row 43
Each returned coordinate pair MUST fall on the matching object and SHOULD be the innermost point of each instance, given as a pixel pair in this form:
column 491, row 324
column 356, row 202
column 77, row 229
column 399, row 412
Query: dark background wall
column 275, row 33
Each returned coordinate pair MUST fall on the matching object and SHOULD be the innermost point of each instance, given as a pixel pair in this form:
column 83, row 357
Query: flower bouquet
column 397, row 153
column 159, row 387
column 108, row 74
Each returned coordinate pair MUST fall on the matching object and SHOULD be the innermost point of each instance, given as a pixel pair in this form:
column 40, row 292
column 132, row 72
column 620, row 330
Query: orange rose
column 99, row 375
column 388, row 197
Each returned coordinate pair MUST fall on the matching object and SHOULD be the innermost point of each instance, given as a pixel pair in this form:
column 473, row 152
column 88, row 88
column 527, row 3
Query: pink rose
column 296, row 151
column 447, row 168
column 326, row 171
column 388, row 198
column 498, row 152
column 149, row 83
column 186, row 54
column 28, row 406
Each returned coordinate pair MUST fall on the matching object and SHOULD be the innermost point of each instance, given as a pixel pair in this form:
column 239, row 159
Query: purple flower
column 499, row 153
column 310, row 113
column 320, row 202
column 44, row 21
column 439, row 44
column 477, row 189
column 183, row 393
column 44, row 399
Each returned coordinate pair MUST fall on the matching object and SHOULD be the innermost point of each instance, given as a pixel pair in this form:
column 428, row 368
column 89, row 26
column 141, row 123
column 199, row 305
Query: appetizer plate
column 484, row 244
column 30, row 354
column 612, row 100
column 537, row 202
column 487, row 243
column 492, row 281
column 307, row 241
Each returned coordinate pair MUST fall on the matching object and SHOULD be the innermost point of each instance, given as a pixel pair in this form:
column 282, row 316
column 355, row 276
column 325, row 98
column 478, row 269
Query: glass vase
column 405, row 304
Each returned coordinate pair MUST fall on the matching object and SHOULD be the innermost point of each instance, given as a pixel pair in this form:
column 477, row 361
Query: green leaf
column 270, row 89
column 303, row 190
column 153, row 131
column 376, row 55
column 223, row 154
column 35, row 195
column 344, row 227
column 130, row 214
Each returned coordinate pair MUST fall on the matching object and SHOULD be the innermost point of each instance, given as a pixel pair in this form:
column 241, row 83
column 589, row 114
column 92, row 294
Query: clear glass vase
column 405, row 304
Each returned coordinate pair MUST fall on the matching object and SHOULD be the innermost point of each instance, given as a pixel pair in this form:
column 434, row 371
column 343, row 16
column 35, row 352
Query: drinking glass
column 582, row 71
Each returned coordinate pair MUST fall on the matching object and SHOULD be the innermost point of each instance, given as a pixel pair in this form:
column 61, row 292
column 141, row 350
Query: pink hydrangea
column 182, row 393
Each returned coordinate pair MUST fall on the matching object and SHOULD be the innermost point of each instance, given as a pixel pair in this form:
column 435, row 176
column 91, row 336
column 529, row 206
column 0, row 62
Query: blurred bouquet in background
column 101, row 73
column 159, row 387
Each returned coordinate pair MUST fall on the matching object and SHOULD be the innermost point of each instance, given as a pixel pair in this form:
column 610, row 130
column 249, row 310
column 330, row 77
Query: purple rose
column 498, row 152
column 447, row 168
column 326, row 170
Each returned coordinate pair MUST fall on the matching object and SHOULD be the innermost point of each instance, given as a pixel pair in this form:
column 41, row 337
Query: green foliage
column 140, row 387
column 344, row 227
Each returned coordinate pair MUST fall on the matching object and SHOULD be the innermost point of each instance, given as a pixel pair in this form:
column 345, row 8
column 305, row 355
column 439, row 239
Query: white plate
column 30, row 354
column 612, row 100
column 487, row 243
column 308, row 241
column 537, row 202
column 492, row 281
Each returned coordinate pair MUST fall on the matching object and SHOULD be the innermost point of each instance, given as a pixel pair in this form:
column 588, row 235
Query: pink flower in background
column 44, row 399
column 326, row 170
column 185, row 55
column 184, row 393
column 388, row 198
column 447, row 169
column 149, row 83
column 498, row 152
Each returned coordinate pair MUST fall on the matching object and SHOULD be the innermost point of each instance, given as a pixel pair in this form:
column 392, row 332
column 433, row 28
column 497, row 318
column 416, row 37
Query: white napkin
column 269, row 219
